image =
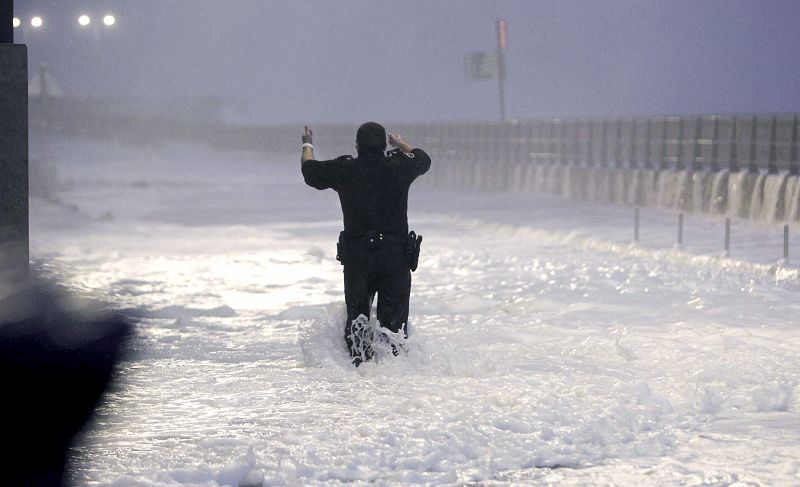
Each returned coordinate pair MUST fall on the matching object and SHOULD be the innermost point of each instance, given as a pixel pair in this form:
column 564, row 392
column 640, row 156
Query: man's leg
column 394, row 291
column 358, row 298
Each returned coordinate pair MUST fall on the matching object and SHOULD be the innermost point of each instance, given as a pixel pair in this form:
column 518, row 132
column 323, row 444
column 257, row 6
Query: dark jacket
column 373, row 188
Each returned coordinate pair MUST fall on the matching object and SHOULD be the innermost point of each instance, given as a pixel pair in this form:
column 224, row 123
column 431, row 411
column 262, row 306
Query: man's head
column 371, row 138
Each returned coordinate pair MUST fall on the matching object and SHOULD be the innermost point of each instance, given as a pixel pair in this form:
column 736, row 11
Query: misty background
column 287, row 62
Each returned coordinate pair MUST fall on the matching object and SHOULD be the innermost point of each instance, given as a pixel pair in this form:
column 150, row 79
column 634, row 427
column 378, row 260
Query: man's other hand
column 396, row 140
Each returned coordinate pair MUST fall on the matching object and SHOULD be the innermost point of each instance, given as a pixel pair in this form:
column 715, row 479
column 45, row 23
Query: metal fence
column 767, row 142
column 709, row 142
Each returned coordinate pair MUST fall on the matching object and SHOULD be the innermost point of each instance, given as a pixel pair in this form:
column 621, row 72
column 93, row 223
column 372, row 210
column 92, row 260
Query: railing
column 743, row 166
column 735, row 142
column 709, row 142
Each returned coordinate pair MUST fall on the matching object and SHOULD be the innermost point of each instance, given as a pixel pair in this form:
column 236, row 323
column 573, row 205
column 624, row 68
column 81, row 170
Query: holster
column 412, row 250
column 341, row 248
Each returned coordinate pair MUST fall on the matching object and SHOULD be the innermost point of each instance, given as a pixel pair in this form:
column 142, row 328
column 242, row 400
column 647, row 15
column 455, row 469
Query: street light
column 109, row 20
column 84, row 20
column 36, row 22
column 16, row 22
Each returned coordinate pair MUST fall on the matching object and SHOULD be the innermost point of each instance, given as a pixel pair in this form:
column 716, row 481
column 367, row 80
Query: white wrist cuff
column 307, row 145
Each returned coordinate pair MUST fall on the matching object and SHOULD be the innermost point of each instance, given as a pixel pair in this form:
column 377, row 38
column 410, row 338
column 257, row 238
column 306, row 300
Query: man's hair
column 371, row 138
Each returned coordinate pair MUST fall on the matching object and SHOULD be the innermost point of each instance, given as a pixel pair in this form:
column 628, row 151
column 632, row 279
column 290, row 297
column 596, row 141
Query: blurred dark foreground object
column 57, row 356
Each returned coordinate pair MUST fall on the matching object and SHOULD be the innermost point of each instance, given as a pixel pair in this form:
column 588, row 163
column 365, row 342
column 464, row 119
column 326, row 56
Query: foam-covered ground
column 545, row 348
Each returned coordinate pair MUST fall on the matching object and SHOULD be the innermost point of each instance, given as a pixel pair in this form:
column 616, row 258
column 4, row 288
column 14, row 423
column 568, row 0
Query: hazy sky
column 292, row 61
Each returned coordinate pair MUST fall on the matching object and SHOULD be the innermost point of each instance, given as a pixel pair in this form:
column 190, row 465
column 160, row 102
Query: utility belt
column 373, row 240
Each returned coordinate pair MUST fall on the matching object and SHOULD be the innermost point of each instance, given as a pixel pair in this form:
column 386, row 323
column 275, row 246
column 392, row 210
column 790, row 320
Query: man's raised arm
column 421, row 161
column 318, row 174
column 307, row 147
column 396, row 140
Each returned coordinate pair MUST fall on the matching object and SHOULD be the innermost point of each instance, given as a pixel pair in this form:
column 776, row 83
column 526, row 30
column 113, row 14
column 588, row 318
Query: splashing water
column 322, row 341
column 718, row 204
column 774, row 190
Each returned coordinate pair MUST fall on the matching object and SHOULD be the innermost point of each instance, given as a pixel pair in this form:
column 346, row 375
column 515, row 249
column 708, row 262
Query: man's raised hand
column 308, row 146
column 307, row 136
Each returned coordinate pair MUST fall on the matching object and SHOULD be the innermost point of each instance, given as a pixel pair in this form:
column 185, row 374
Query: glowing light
column 84, row 20
column 16, row 22
column 109, row 20
column 37, row 21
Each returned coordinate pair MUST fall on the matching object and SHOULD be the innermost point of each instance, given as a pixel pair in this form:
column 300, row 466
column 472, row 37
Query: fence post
column 604, row 138
column 698, row 134
column 734, row 162
column 582, row 158
column 679, row 163
column 648, row 163
column 786, row 243
column 715, row 146
column 664, row 164
column 633, row 163
column 618, row 143
column 727, row 243
column 772, row 162
column 751, row 164
column 680, row 229
column 635, row 223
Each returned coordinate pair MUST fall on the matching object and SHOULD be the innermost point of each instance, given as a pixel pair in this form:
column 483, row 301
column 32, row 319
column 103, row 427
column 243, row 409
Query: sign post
column 501, row 66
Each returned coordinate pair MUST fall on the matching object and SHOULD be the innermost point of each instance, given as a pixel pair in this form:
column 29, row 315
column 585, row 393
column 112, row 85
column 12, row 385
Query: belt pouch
column 341, row 248
column 412, row 250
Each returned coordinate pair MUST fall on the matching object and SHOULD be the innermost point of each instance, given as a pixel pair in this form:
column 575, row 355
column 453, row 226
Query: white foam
column 543, row 339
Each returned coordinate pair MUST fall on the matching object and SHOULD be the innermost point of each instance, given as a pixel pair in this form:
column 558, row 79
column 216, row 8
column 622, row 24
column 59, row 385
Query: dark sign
column 481, row 65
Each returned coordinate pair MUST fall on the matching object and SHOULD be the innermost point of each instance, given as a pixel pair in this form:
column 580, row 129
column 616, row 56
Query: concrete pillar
column 13, row 159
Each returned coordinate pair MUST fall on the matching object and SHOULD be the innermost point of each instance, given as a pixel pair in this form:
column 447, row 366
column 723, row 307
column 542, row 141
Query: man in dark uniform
column 375, row 247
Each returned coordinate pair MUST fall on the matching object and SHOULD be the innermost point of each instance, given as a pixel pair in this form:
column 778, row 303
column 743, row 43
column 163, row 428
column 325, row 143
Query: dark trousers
column 383, row 271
